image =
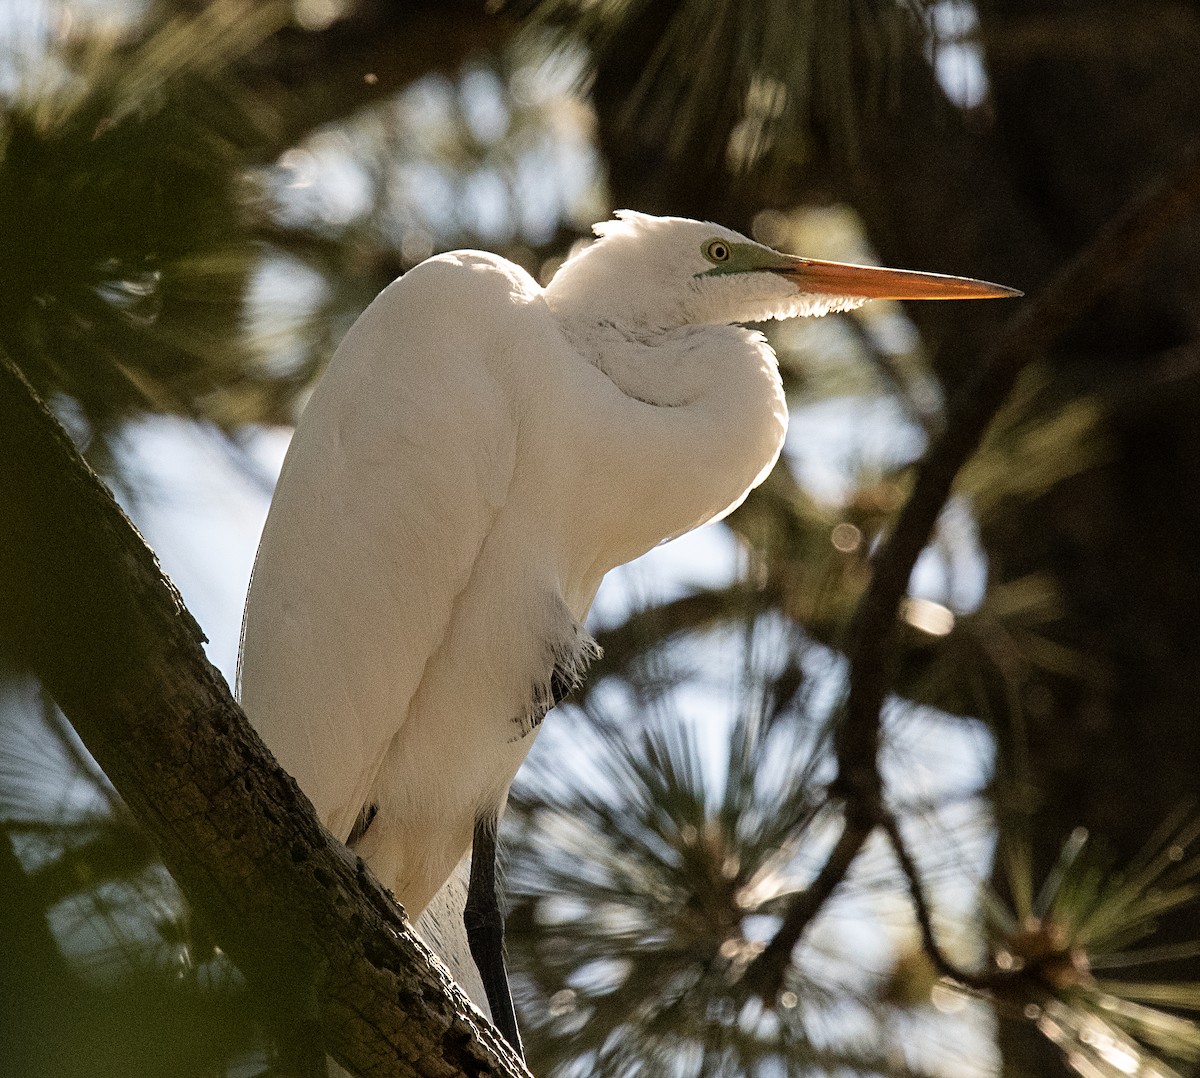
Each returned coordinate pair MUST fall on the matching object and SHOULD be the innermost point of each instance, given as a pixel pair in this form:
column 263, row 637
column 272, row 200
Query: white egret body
column 479, row 453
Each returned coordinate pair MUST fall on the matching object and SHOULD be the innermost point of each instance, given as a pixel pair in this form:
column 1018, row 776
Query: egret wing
column 400, row 464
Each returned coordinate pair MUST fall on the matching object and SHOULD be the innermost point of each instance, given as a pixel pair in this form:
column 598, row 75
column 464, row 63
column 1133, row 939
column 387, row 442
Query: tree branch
column 924, row 914
column 765, row 974
column 1107, row 261
column 88, row 610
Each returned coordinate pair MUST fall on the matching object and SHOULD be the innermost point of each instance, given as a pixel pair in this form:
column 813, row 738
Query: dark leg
column 485, row 931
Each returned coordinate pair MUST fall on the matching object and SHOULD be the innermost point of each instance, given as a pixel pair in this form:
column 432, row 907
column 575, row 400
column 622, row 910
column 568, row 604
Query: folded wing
column 400, row 464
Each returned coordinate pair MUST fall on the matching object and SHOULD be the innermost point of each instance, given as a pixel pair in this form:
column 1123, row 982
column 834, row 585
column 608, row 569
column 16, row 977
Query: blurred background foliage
column 198, row 198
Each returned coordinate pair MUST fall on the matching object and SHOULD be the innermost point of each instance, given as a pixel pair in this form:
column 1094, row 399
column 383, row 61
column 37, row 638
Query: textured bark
column 88, row 610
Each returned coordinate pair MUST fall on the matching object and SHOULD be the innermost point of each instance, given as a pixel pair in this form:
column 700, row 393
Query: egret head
column 648, row 275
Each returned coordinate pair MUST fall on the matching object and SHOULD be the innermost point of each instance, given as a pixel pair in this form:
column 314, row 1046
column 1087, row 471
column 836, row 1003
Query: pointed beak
column 875, row 282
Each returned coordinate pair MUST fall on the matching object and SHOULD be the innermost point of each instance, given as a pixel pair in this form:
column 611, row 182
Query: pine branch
column 87, row 608
column 1106, row 262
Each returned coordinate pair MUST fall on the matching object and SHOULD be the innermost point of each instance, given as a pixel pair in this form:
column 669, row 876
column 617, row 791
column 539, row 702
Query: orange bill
column 876, row 282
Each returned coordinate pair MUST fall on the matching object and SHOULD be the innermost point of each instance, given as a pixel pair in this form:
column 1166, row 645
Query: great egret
column 479, row 453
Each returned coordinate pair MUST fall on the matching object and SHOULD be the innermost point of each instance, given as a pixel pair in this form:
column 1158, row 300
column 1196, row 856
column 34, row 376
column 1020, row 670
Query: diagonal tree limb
column 86, row 608
column 1104, row 263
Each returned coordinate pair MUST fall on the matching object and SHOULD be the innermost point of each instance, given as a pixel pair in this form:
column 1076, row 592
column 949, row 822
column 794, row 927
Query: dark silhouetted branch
column 765, row 974
column 1107, row 261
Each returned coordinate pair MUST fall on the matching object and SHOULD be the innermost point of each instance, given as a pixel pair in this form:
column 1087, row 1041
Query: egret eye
column 716, row 251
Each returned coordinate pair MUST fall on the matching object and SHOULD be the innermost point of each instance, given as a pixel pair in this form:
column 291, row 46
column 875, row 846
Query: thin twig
column 924, row 913
column 1106, row 261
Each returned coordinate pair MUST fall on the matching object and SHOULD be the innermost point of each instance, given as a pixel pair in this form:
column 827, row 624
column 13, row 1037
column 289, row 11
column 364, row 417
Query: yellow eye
column 716, row 251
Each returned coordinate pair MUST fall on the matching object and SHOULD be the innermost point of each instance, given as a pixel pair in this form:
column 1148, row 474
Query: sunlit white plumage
column 479, row 453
